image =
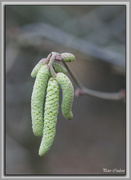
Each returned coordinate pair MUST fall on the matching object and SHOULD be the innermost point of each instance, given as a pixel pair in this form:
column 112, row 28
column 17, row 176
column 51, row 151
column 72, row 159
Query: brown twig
column 76, row 81
column 81, row 90
column 51, row 58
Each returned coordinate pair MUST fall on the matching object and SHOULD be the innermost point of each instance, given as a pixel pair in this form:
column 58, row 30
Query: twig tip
column 78, row 92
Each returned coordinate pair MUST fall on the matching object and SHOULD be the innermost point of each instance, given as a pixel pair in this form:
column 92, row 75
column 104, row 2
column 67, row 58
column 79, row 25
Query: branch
column 76, row 81
column 103, row 95
column 81, row 90
column 51, row 58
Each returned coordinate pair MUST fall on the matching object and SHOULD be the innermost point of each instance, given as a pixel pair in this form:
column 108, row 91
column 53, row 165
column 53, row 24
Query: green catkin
column 38, row 66
column 50, row 116
column 68, row 95
column 37, row 99
column 67, row 57
column 59, row 68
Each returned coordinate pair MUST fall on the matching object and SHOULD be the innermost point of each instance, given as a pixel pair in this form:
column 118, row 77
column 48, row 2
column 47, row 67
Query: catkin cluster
column 46, row 86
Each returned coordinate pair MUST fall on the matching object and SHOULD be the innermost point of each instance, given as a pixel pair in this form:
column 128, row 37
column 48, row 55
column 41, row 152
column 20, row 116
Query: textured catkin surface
column 68, row 95
column 50, row 116
column 37, row 99
column 59, row 68
column 67, row 57
column 38, row 66
column 35, row 70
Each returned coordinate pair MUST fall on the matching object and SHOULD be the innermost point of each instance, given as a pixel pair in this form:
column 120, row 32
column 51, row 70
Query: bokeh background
column 95, row 138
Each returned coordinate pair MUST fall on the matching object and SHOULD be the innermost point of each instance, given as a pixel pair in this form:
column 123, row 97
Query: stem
column 103, row 95
column 52, row 58
column 48, row 57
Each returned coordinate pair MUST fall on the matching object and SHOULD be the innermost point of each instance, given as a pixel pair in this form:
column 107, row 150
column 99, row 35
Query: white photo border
column 128, row 75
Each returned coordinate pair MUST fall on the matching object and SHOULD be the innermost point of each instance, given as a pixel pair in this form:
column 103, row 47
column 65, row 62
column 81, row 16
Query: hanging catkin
column 50, row 116
column 37, row 99
column 67, row 95
column 49, row 75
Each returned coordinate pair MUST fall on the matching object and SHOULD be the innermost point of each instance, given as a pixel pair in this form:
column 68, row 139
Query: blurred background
column 95, row 138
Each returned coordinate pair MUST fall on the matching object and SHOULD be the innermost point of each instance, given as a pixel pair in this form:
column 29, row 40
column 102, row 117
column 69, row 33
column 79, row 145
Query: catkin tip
column 41, row 153
column 70, row 116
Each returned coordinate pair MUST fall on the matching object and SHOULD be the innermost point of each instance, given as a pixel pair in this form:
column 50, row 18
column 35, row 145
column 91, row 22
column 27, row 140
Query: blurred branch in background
column 33, row 34
column 96, row 31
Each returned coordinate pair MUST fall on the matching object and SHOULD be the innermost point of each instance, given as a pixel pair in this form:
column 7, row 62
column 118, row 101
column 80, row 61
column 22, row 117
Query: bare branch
column 81, row 90
column 76, row 81
column 103, row 95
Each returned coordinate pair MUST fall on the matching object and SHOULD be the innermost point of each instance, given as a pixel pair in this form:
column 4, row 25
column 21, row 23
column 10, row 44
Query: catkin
column 67, row 57
column 68, row 95
column 50, row 116
column 37, row 99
